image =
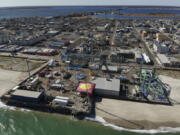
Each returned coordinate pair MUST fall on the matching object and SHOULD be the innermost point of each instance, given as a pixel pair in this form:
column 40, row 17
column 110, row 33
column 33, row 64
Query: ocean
column 24, row 122
column 16, row 12
column 15, row 121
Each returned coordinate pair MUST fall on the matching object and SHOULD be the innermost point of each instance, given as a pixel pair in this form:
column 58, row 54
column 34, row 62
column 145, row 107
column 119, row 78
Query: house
column 161, row 48
column 163, row 59
column 113, row 69
column 102, row 27
column 56, row 44
column 138, row 57
column 161, row 37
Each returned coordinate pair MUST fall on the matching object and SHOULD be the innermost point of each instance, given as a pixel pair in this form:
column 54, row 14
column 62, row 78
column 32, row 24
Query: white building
column 163, row 59
column 107, row 87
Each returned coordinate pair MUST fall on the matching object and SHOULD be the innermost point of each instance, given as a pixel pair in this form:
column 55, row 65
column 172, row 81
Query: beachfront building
column 27, row 96
column 107, row 87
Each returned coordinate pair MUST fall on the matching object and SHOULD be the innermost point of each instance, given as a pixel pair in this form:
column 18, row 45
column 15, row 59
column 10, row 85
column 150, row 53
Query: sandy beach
column 9, row 79
column 142, row 115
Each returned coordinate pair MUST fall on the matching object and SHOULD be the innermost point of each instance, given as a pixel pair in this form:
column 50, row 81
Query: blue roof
column 80, row 76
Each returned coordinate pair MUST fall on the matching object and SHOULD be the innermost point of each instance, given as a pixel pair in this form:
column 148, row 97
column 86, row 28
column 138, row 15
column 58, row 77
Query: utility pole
column 27, row 62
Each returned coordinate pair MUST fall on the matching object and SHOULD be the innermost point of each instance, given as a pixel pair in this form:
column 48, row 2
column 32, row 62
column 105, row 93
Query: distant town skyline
column 7, row 3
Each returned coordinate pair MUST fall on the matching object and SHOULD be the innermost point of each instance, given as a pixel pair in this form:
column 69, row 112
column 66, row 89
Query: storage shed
column 27, row 96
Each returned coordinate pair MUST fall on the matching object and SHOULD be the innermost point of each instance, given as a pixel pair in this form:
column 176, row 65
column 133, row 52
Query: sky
column 6, row 3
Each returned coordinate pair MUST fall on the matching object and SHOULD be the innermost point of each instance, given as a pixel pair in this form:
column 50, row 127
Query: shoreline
column 139, row 124
column 136, row 115
column 130, row 97
column 145, row 125
column 127, row 115
column 153, row 15
column 114, row 124
column 161, row 129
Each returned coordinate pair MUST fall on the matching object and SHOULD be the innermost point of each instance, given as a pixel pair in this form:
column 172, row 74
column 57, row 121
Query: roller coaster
column 152, row 88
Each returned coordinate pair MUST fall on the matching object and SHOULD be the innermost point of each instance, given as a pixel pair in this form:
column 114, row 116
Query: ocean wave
column 24, row 110
column 105, row 123
column 150, row 131
column 2, row 126
column 4, row 106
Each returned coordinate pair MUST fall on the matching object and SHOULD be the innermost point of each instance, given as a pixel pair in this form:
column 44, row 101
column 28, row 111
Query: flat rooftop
column 26, row 93
column 111, row 68
column 104, row 84
column 163, row 59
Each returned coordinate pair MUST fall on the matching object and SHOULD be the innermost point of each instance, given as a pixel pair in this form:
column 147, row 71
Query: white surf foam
column 2, row 126
column 24, row 110
column 4, row 106
column 105, row 123
column 151, row 131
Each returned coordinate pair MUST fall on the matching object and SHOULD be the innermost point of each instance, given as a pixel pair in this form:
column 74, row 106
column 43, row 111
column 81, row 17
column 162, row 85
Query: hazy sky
column 4, row 3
